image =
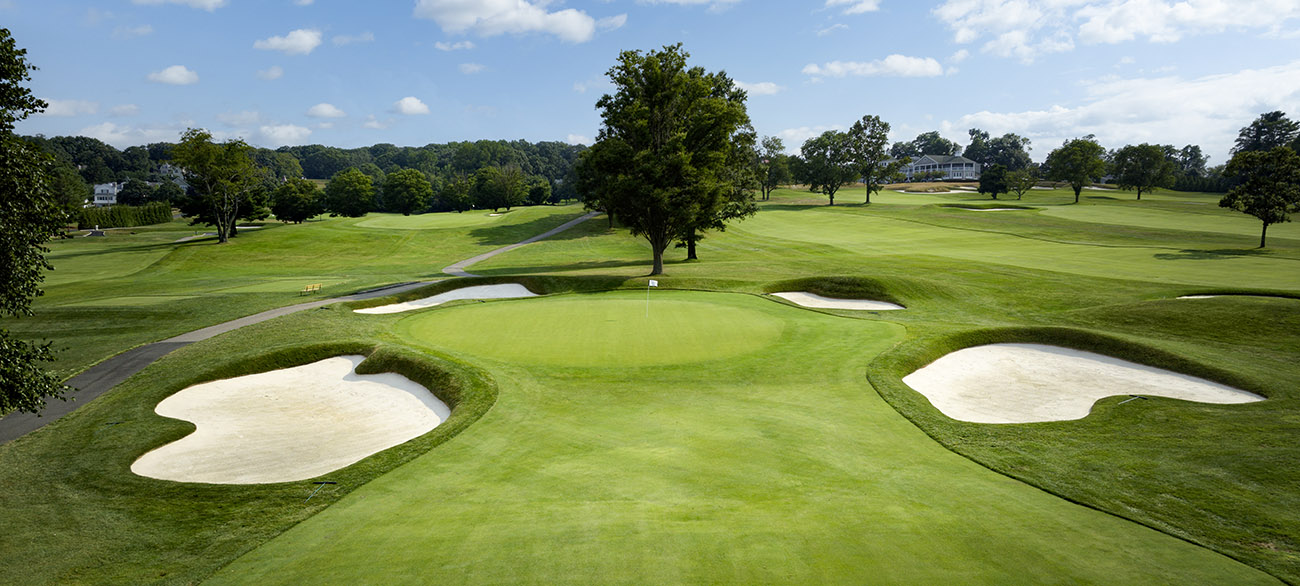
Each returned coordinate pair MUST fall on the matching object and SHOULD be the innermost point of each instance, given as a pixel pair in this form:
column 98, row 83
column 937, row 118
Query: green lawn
column 727, row 437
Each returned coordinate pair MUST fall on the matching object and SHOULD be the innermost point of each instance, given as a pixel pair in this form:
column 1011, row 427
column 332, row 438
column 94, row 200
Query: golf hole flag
column 654, row 283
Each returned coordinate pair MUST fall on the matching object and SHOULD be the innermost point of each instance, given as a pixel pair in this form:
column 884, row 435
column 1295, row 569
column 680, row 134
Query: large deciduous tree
column 663, row 161
column 1078, row 162
column 296, row 200
column 222, row 177
column 772, row 166
column 406, row 191
column 1269, row 187
column 828, row 163
column 931, row 143
column 1020, row 182
column 1009, row 150
column 1144, row 167
column 868, row 140
column 30, row 215
column 350, row 193
column 993, row 181
column 1270, row 130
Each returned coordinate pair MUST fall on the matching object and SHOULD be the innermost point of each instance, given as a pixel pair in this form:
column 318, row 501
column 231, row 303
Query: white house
column 951, row 167
column 106, row 193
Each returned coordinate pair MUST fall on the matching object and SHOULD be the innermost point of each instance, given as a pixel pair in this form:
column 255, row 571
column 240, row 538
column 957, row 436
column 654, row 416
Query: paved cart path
column 101, row 377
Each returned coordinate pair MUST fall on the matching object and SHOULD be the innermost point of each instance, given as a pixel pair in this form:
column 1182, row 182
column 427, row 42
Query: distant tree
column 868, row 139
column 1270, row 130
column 135, row 193
column 668, row 146
column 1269, row 187
column 993, row 181
column 771, row 166
column 828, row 163
column 222, row 177
column 716, row 208
column 978, row 150
column 30, row 215
column 280, row 165
column 68, row 187
column 375, row 174
column 1191, row 163
column 455, row 194
column 904, row 150
column 406, row 191
column 349, row 193
column 169, row 192
column 296, row 200
column 511, row 187
column 1078, row 162
column 1009, row 150
column 930, row 143
column 1020, row 182
column 592, row 183
column 1144, row 167
column 539, row 191
column 486, row 191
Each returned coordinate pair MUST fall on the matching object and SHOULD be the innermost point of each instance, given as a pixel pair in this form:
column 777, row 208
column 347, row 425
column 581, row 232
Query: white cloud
column 175, row 75
column 283, row 134
column 325, row 110
column 124, row 136
column 1027, row 29
column 855, row 6
column 598, row 84
column 325, row 125
column 130, row 32
column 410, row 106
column 831, row 29
column 714, row 5
column 236, row 119
column 1211, row 110
column 959, row 56
column 891, row 66
column 208, row 5
column 298, row 42
column 471, row 68
column 762, row 88
column 457, row 46
column 577, row 139
column 341, row 40
column 490, row 18
column 125, row 110
column 793, row 138
column 303, row 2
column 69, row 108
column 610, row 23
column 377, row 124
column 274, row 72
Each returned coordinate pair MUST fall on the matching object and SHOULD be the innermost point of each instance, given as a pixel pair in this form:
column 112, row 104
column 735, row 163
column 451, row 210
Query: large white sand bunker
column 813, row 300
column 290, row 424
column 504, row 291
column 1026, row 383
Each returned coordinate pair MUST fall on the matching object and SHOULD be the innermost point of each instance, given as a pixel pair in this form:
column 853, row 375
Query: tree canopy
column 1144, row 167
column 828, row 163
column 296, row 200
column 868, row 139
column 1020, row 182
column 31, row 213
column 1009, row 150
column 662, row 160
column 1270, row 130
column 1269, row 187
column 1078, row 162
column 772, row 165
column 993, row 181
column 222, row 176
column 406, row 191
column 350, row 193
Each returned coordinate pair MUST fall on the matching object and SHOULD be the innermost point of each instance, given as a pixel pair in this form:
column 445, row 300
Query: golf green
column 614, row 329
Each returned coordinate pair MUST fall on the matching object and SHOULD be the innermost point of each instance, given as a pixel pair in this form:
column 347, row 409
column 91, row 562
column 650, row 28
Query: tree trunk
column 832, row 195
column 1076, row 193
column 658, row 267
column 1139, row 194
column 868, row 195
column 690, row 244
column 1263, row 233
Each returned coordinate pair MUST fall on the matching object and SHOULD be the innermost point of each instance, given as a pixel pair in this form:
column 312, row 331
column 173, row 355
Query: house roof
column 943, row 159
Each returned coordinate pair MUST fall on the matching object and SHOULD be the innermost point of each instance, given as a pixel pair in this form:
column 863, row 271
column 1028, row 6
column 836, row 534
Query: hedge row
column 122, row 216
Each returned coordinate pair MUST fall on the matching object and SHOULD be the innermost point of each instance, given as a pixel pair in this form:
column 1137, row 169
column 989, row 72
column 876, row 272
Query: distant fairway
column 611, row 331
column 470, row 219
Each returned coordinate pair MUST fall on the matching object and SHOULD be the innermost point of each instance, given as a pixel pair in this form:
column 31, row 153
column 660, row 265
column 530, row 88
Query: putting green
column 612, row 329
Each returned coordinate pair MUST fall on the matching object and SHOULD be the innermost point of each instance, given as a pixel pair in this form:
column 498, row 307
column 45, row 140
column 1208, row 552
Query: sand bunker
column 1199, row 296
column 1026, row 383
column 290, row 424
column 812, row 300
column 990, row 209
column 505, row 291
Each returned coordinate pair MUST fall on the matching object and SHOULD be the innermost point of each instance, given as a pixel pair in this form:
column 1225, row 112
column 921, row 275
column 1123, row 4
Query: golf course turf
column 727, row 437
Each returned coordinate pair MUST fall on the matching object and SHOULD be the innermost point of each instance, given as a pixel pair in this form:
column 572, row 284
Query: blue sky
column 277, row 72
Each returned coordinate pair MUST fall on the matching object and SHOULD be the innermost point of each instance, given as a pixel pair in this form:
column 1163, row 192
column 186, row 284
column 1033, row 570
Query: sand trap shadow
column 503, row 291
column 290, row 424
column 806, row 299
column 1027, row 383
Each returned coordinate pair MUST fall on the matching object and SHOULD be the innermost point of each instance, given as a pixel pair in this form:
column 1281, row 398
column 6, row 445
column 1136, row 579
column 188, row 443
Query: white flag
column 654, row 283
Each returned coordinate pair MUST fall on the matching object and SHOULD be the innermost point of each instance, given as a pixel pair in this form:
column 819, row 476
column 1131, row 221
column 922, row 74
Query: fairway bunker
column 1028, row 383
column 290, row 424
column 503, row 291
column 805, row 299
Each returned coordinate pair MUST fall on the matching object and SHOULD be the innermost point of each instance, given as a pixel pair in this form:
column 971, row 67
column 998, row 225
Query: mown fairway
column 726, row 438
